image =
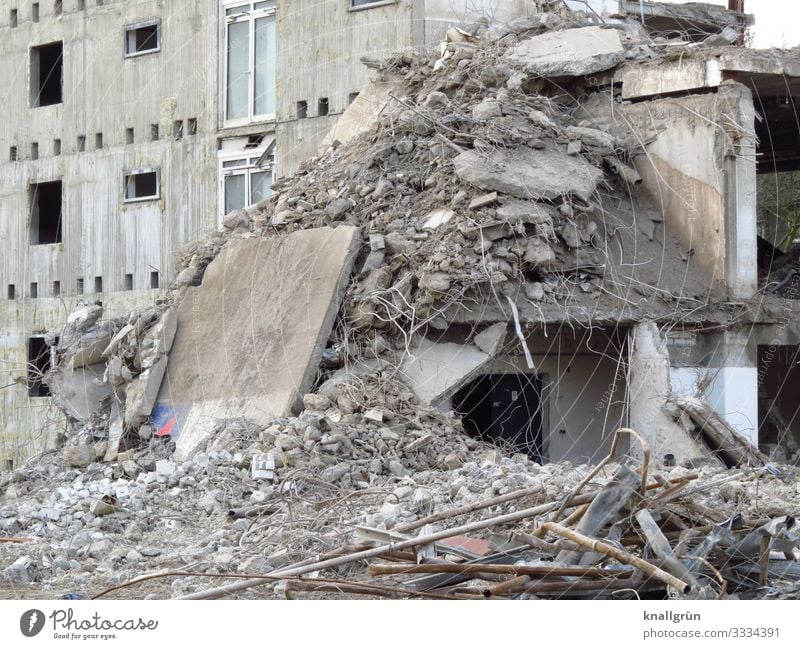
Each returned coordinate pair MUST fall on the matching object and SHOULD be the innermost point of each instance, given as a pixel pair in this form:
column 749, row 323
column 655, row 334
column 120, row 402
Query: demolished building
column 545, row 233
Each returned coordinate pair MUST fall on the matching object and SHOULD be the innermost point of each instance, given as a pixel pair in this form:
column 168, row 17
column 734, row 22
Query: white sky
column 776, row 21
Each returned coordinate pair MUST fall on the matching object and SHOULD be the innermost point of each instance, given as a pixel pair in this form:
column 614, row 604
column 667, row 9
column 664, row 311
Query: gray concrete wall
column 103, row 92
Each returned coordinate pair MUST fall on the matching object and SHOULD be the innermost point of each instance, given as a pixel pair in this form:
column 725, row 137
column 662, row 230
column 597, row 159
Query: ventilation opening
column 47, row 69
column 12, row 154
column 38, row 365
column 79, row 286
column 35, row 12
column 191, row 126
column 505, row 409
column 56, row 147
column 12, row 292
column 128, row 136
column 58, row 7
column 45, row 205
column 56, row 288
column 34, row 290
column 322, row 106
column 254, row 141
column 13, row 19
column 34, row 150
column 81, row 143
column 155, row 280
column 177, row 129
column 98, row 284
column 352, row 97
column 154, row 132
column 302, row 109
column 98, row 140
column 128, row 282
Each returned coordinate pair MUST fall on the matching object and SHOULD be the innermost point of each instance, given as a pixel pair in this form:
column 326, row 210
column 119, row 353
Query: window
column 13, row 19
column 249, row 60
column 58, row 7
column 46, row 216
column 98, row 140
column 34, row 150
column 153, row 132
column 191, row 126
column 38, row 366
column 365, row 4
column 12, row 154
column 141, row 185
column 128, row 282
column 322, row 107
column 56, row 147
column 129, row 135
column 98, row 284
column 35, row 12
column 56, row 288
column 177, row 129
column 34, row 292
column 302, row 109
column 79, row 286
column 81, row 143
column 143, row 38
column 47, row 69
column 246, row 179
column 12, row 292
column 155, row 280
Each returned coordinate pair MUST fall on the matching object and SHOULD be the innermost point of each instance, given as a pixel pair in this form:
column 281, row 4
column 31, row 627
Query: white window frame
column 135, row 172
column 248, row 16
column 139, row 25
column 251, row 158
column 371, row 5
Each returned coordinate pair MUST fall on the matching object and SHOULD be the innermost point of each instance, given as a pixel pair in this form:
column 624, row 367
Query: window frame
column 370, row 5
column 250, row 15
column 134, row 26
column 137, row 172
column 251, row 157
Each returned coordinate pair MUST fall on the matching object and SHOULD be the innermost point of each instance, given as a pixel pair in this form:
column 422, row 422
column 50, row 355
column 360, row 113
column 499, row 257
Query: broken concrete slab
column 483, row 201
column 528, row 173
column 570, row 53
column 79, row 392
column 141, row 393
column 251, row 336
column 436, row 371
column 491, row 339
column 437, row 218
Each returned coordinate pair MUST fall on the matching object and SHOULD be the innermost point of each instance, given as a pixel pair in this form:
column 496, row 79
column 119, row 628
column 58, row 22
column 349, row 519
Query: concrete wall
column 103, row 92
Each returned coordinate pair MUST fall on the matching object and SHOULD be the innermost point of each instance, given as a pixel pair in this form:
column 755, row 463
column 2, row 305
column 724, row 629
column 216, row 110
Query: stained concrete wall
column 103, row 92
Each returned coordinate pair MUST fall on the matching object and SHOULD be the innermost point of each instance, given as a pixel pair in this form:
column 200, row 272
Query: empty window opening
column 34, row 292
column 58, row 7
column 12, row 292
column 141, row 185
column 155, row 280
column 128, row 282
column 322, row 106
column 142, row 38
column 191, row 126
column 254, row 141
column 13, row 19
column 154, row 132
column 46, row 213
column 47, row 70
column 177, row 129
column 79, row 286
column 38, row 366
column 129, row 133
column 302, row 109
column 12, row 154
column 56, row 147
column 98, row 140
column 98, row 284
column 505, row 409
column 56, row 288
column 34, row 150
column 352, row 97
column 35, row 12
column 81, row 144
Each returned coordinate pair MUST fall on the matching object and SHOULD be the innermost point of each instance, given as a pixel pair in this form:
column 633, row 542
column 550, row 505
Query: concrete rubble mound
column 481, row 195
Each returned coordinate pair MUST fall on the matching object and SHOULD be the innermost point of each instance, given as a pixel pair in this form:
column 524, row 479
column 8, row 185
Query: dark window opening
column 38, row 366
column 98, row 140
column 12, row 292
column 35, row 12
column 129, row 133
column 12, row 154
column 155, row 280
column 154, row 132
column 177, row 129
column 98, row 284
column 322, row 107
column 254, row 141
column 56, row 288
column 81, row 143
column 142, row 39
column 128, row 282
column 140, row 185
column 191, row 126
column 13, row 18
column 56, row 147
column 505, row 409
column 34, row 150
column 302, row 109
column 47, row 70
column 46, row 213
column 79, row 286
column 34, row 292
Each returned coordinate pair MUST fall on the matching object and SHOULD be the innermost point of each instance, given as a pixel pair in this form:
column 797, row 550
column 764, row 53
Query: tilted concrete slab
column 250, row 337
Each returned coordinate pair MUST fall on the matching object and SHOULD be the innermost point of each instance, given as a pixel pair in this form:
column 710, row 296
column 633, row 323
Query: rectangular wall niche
column 47, row 74
column 46, row 213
